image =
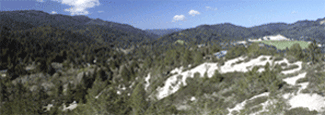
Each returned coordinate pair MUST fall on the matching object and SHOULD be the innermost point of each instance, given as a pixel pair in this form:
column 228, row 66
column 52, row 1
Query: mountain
column 162, row 32
column 300, row 30
column 38, row 18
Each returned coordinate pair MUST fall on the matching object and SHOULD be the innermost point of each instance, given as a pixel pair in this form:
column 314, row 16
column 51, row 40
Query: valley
column 90, row 66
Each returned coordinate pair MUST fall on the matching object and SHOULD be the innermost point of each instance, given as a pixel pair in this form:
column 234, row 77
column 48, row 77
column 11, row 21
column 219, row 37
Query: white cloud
column 193, row 12
column 293, row 12
column 210, row 8
column 178, row 18
column 79, row 7
column 100, row 11
column 39, row 0
column 53, row 12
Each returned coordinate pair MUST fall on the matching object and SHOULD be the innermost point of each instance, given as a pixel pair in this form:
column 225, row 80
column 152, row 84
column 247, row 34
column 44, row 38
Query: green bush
column 278, row 59
column 263, row 59
column 283, row 64
column 236, row 52
column 294, row 66
column 256, row 101
column 300, row 111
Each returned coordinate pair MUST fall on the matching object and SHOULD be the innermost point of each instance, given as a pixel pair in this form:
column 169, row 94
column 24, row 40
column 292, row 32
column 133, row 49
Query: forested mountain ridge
column 38, row 18
column 161, row 32
column 300, row 30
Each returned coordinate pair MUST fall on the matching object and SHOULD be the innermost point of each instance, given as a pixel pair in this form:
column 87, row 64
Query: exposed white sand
column 210, row 68
column 193, row 99
column 310, row 101
column 313, row 102
column 147, row 82
column 241, row 105
column 293, row 70
column 304, row 85
column 265, row 105
column 168, row 88
column 176, row 70
column 71, row 107
column 292, row 80
column 276, row 37
column 319, row 45
column 254, row 40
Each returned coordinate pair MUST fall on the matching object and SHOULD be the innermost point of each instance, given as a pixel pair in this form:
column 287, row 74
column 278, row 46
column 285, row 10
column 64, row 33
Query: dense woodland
column 90, row 63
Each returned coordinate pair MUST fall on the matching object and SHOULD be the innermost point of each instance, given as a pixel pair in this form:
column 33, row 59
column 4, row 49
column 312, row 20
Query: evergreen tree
column 187, row 59
column 125, row 73
column 198, row 58
column 69, row 94
column 138, row 100
column 296, row 51
column 314, row 52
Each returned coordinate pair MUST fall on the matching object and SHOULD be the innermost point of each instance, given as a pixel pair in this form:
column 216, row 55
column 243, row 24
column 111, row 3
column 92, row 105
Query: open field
column 283, row 44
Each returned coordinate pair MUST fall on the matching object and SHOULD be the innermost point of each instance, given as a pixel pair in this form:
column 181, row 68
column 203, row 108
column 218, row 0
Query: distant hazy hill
column 302, row 30
column 36, row 18
column 162, row 32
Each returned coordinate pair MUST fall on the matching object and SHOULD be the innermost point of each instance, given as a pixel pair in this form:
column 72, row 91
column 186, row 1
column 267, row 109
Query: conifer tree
column 314, row 52
column 138, row 100
column 69, row 94
column 296, row 51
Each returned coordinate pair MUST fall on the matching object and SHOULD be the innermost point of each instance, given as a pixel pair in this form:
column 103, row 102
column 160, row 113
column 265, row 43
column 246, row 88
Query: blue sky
column 162, row 14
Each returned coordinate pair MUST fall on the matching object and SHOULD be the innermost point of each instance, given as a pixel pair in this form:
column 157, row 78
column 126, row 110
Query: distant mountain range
column 161, row 32
column 300, row 30
column 34, row 18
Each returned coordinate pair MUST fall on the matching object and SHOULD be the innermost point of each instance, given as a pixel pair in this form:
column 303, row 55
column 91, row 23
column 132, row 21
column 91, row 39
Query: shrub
column 291, row 67
column 278, row 59
column 263, row 59
column 300, row 111
column 283, row 64
column 236, row 52
column 256, row 101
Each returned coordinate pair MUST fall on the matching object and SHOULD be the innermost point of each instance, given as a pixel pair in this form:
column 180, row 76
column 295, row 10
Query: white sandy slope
column 70, row 107
column 147, row 82
column 274, row 37
column 310, row 101
column 210, row 68
column 241, row 105
column 291, row 81
column 168, row 88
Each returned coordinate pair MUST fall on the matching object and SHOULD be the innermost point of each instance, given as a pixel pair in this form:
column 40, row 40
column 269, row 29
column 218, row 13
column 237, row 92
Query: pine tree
column 186, row 57
column 69, row 94
column 314, row 52
column 296, row 51
column 198, row 58
column 138, row 100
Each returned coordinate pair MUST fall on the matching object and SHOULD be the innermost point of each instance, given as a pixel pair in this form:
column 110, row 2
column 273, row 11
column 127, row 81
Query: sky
column 163, row 14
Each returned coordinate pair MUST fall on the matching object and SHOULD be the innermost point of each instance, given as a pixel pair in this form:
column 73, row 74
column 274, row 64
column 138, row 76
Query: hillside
column 76, row 65
column 78, row 23
column 300, row 30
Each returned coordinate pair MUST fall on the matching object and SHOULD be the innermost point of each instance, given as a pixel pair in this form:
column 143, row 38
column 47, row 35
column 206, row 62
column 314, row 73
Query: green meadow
column 283, row 44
